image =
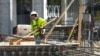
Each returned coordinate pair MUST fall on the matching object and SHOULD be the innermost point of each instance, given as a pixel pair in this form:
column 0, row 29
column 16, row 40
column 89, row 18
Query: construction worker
column 37, row 23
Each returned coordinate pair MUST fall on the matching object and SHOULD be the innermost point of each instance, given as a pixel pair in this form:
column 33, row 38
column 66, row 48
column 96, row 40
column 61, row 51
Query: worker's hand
column 40, row 28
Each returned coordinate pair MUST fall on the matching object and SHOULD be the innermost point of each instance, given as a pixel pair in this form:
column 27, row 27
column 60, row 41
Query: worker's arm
column 33, row 25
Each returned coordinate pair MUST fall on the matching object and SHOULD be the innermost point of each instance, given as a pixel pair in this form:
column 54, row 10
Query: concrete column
column 13, row 15
column 41, row 7
column 5, row 24
column 63, row 7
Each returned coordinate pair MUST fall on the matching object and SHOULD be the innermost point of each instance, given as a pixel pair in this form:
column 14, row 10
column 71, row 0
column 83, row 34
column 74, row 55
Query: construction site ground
column 32, row 43
column 58, row 47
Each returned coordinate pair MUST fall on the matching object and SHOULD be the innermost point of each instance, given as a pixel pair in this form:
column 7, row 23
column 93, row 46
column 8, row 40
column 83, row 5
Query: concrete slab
column 31, row 43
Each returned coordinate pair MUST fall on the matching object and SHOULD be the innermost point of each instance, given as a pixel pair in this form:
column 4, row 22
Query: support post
column 80, row 23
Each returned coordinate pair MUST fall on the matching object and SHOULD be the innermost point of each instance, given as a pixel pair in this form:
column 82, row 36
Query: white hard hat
column 33, row 12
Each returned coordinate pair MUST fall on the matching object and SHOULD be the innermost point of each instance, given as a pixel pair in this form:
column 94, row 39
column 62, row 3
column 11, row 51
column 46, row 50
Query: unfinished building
column 72, row 26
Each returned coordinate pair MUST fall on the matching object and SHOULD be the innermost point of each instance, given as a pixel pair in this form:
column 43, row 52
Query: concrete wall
column 5, row 17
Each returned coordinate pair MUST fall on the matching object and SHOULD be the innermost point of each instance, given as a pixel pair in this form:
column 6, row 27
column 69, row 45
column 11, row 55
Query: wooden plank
column 16, row 39
column 71, row 44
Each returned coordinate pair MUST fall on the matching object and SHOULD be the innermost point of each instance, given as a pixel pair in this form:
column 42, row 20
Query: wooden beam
column 80, row 23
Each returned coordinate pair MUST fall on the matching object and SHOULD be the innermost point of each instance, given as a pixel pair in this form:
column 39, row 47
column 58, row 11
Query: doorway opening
column 23, row 10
